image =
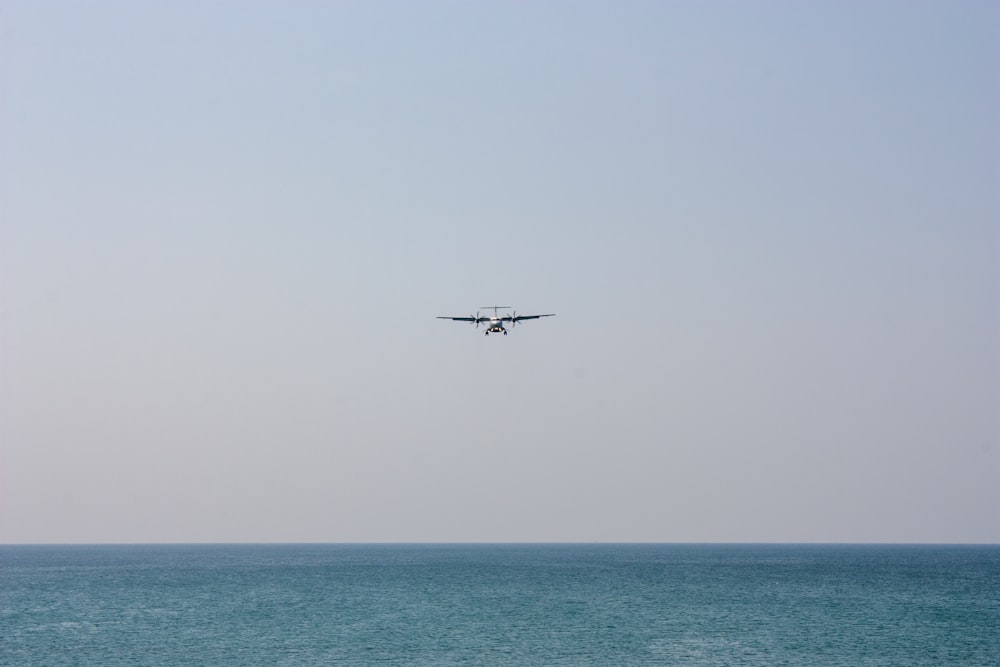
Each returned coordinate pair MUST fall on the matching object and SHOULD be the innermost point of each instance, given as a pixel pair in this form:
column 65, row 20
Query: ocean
column 500, row 604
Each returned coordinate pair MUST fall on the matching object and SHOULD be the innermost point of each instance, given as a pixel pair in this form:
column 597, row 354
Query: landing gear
column 504, row 332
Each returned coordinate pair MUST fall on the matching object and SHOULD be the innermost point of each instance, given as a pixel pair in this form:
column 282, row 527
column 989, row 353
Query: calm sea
column 623, row 604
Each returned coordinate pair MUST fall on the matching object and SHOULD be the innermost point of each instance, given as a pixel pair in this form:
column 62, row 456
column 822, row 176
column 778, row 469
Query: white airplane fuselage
column 495, row 326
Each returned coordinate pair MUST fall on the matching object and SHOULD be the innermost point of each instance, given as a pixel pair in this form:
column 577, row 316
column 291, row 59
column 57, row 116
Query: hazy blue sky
column 769, row 231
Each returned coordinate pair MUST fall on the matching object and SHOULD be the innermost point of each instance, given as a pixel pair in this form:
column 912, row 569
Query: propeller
column 476, row 319
column 513, row 319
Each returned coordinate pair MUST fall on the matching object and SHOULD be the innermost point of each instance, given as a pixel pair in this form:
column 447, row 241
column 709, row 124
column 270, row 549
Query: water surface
column 500, row 605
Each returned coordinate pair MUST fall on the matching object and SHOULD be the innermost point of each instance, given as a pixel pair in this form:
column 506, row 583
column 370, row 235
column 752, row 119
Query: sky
column 770, row 232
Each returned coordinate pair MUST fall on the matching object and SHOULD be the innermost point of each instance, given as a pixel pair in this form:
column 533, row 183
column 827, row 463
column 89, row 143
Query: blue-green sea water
column 500, row 605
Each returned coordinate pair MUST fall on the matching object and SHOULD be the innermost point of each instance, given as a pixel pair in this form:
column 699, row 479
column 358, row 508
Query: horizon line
column 495, row 543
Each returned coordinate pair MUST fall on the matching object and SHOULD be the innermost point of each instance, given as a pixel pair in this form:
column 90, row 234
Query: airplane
column 495, row 323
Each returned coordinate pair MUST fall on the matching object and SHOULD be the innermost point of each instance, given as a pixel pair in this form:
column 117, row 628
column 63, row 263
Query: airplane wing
column 460, row 319
column 518, row 318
